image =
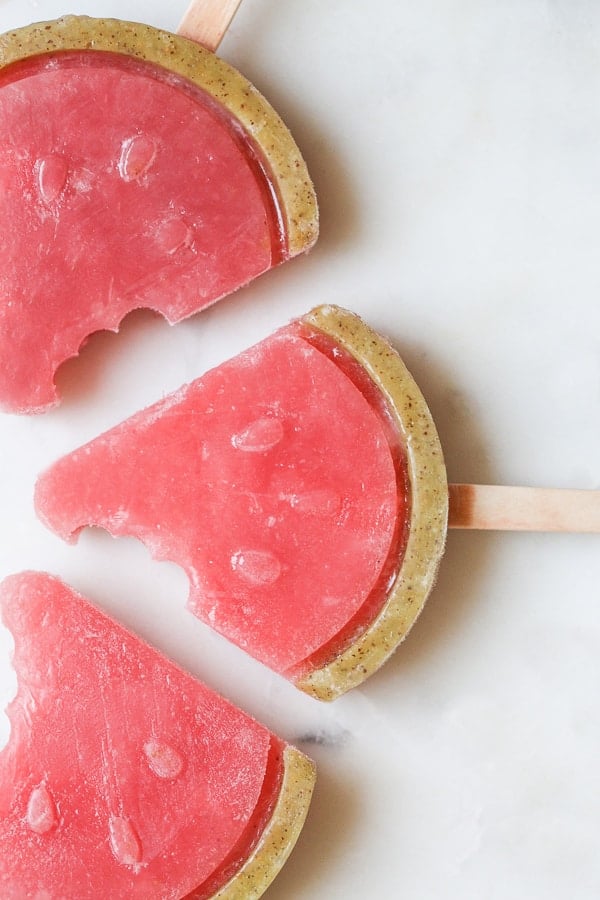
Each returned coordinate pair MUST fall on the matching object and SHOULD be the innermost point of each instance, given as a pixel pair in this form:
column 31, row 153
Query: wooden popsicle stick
column 206, row 21
column 496, row 507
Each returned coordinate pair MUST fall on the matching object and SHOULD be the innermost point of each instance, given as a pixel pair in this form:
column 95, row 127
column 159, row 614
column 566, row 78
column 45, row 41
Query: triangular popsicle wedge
column 301, row 486
column 138, row 170
column 126, row 777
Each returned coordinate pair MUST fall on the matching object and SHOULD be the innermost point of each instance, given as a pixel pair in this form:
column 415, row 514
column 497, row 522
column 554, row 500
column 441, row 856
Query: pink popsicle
column 280, row 483
column 124, row 775
column 149, row 177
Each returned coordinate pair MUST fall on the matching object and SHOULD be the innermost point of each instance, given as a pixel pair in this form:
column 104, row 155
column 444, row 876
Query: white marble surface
column 455, row 147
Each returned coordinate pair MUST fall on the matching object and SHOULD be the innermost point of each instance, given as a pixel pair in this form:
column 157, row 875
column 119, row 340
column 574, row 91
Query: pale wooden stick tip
column 504, row 508
column 206, row 21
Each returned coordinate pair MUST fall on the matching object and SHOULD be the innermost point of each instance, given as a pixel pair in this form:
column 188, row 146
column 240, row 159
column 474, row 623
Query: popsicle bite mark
column 428, row 505
column 8, row 683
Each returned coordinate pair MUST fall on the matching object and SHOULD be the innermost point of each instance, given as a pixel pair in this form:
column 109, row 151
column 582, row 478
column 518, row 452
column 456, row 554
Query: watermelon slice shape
column 126, row 777
column 301, row 485
column 137, row 170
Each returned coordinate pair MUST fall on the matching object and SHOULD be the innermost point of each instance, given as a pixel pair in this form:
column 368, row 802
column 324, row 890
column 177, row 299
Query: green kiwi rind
column 428, row 505
column 281, row 833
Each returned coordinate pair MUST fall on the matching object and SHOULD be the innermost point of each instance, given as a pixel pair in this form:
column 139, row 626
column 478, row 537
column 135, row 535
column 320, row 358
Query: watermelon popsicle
column 123, row 771
column 138, row 170
column 301, row 486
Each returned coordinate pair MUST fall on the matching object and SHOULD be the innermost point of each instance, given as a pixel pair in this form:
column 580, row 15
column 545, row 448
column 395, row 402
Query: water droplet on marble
column 41, row 810
column 137, row 155
column 124, row 841
column 260, row 436
column 320, row 502
column 257, row 567
column 164, row 761
column 173, row 235
column 52, row 176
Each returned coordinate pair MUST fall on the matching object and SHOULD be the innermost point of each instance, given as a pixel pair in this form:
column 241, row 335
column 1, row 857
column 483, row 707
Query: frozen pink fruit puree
column 275, row 481
column 123, row 775
column 121, row 186
column 118, row 190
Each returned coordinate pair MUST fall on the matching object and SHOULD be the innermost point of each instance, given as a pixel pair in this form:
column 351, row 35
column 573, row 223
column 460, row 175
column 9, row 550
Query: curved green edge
column 428, row 509
column 197, row 64
column 281, row 833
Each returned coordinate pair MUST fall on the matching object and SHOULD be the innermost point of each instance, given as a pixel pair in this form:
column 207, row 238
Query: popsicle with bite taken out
column 138, row 170
column 302, row 487
column 126, row 777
